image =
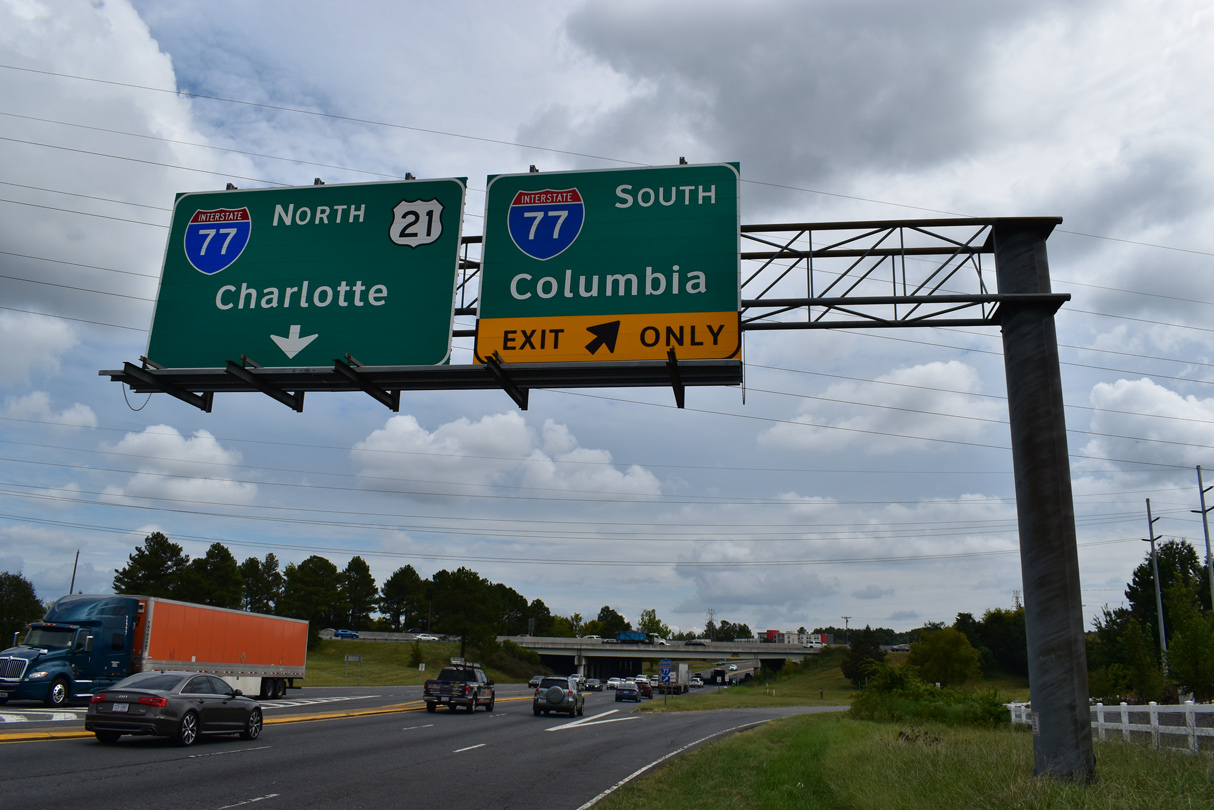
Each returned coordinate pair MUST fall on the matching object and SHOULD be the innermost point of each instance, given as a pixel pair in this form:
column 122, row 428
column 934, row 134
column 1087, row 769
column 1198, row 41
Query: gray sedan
column 180, row 705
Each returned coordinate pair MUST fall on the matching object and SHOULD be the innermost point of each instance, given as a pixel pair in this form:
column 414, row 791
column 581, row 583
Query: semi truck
column 85, row 643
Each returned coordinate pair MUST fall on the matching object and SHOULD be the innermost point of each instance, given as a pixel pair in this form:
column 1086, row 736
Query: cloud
column 36, row 406
column 496, row 450
column 175, row 467
column 42, row 341
column 872, row 592
column 931, row 401
column 1145, row 422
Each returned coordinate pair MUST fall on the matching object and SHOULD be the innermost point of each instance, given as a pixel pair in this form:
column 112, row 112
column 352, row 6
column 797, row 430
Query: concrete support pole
column 1049, row 559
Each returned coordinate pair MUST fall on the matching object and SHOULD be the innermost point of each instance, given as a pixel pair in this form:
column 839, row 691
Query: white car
column 426, row 637
column 614, row 683
column 733, row 667
column 697, row 682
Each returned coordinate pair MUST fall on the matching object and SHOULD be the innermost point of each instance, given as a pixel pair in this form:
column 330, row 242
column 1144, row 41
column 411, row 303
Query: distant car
column 628, row 691
column 344, row 634
column 426, row 637
column 641, row 679
column 733, row 667
column 645, row 689
column 593, row 638
column 535, row 681
column 696, row 642
column 180, row 705
column 614, row 683
column 697, row 682
column 594, row 685
column 556, row 694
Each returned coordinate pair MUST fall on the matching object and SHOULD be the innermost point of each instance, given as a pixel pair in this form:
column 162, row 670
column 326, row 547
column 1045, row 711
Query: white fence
column 1189, row 727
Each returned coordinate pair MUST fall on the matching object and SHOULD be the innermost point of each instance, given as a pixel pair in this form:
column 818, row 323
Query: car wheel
column 431, row 707
column 187, row 732
column 535, row 710
column 58, row 693
column 252, row 728
column 107, row 737
column 581, row 709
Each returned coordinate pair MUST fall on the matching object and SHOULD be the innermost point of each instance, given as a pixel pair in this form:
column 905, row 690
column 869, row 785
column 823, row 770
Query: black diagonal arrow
column 605, row 334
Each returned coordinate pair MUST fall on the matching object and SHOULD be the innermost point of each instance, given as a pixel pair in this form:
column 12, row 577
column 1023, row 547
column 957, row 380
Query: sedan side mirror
column 237, row 693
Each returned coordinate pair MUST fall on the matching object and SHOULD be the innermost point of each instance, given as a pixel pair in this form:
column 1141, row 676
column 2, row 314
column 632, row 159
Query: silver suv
column 555, row 694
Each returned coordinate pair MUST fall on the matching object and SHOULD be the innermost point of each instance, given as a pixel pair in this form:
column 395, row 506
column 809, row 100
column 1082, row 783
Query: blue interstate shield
column 215, row 239
column 545, row 223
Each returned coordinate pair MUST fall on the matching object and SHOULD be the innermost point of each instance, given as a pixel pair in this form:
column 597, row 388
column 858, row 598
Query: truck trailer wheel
column 58, row 693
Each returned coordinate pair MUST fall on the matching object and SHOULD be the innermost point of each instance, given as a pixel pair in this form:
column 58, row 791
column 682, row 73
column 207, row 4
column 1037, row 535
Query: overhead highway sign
column 301, row 277
column 615, row 265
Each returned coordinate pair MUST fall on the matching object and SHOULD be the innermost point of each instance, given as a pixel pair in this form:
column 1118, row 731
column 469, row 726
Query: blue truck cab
column 82, row 644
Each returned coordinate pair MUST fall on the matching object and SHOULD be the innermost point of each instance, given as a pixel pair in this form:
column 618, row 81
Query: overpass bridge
column 603, row 659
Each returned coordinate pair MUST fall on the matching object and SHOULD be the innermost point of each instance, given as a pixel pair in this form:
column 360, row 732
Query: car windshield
column 48, row 638
column 149, row 680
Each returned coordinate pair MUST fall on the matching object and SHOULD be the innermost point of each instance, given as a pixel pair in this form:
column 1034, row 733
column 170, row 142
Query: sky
column 860, row 477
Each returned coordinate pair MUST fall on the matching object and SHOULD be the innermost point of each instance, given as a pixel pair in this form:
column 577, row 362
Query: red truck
column 85, row 643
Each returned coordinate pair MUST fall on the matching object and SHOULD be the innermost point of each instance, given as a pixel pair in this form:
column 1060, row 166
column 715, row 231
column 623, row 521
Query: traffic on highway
column 325, row 747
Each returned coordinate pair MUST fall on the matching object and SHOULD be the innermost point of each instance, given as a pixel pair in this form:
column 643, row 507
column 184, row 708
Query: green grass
column 816, row 762
column 383, row 664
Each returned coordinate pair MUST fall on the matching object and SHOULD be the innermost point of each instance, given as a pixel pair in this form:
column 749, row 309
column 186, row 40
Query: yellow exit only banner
column 591, row 338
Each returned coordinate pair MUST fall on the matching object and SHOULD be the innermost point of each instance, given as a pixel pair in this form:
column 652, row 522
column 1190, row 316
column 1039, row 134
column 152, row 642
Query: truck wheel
column 490, row 706
column 472, row 705
column 252, row 729
column 187, row 732
column 431, row 707
column 107, row 737
column 58, row 693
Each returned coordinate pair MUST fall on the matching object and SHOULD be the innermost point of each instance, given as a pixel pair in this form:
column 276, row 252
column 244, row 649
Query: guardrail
column 1190, row 723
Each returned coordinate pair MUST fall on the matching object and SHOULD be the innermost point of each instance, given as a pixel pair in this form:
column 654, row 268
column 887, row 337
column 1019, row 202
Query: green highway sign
column 300, row 277
column 621, row 264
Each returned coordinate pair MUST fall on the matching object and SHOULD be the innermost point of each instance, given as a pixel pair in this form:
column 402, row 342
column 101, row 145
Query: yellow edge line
column 412, row 706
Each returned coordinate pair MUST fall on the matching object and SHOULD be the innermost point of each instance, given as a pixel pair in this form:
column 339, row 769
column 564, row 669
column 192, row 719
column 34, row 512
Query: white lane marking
column 225, row 753
column 34, row 715
column 662, row 759
column 279, row 704
column 413, row 728
column 469, row 748
column 597, row 719
column 250, row 801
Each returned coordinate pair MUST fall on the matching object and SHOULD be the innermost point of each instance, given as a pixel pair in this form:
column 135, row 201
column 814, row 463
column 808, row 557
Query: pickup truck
column 459, row 685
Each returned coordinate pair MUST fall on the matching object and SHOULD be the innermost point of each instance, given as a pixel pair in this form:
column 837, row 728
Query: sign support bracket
column 292, row 401
column 494, row 366
column 202, row 402
column 348, row 368
column 676, row 380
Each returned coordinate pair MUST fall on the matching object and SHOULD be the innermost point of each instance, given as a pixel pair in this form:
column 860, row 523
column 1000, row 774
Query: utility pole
column 846, row 634
column 1163, row 642
column 1205, row 525
column 712, row 624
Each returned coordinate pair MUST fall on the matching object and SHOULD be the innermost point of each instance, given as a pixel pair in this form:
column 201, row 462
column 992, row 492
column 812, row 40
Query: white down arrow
column 293, row 344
